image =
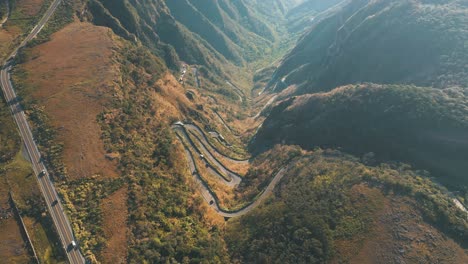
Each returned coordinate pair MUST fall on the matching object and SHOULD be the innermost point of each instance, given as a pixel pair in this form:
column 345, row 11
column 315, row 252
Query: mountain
column 396, row 41
column 401, row 123
column 396, row 44
column 149, row 166
column 331, row 208
column 302, row 15
column 217, row 34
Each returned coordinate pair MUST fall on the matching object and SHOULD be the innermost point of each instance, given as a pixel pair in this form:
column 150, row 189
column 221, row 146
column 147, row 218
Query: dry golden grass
column 114, row 210
column 6, row 39
column 170, row 98
column 73, row 74
column 398, row 232
column 212, row 218
column 29, row 7
column 12, row 246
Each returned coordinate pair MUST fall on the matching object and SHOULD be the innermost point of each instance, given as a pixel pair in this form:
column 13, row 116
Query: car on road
column 71, row 246
column 55, row 202
column 42, row 173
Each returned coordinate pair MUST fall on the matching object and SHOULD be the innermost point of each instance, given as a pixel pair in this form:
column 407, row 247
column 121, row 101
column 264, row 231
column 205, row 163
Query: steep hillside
column 332, row 208
column 230, row 28
column 109, row 87
column 401, row 123
column 102, row 118
column 217, row 34
column 397, row 41
column 302, row 16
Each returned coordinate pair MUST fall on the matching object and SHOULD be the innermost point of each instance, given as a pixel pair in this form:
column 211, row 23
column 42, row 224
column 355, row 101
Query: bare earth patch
column 114, row 210
column 73, row 74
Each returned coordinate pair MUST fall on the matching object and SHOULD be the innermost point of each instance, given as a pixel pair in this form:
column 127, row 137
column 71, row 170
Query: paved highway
column 228, row 177
column 235, row 134
column 54, row 206
column 207, row 144
column 272, row 99
column 195, row 73
column 208, row 195
column 237, row 91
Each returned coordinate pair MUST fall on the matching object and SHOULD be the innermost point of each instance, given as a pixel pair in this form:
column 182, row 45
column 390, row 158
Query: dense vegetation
column 8, row 137
column 405, row 123
column 166, row 222
column 219, row 36
column 208, row 33
column 16, row 177
column 327, row 197
column 396, row 41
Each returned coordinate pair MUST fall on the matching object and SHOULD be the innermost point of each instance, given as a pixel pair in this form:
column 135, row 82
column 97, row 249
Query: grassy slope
column 331, row 206
column 398, row 41
column 134, row 109
column 16, row 176
column 15, row 172
column 165, row 221
column 400, row 123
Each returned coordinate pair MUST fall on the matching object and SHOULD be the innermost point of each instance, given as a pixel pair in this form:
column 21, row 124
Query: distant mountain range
column 393, row 43
column 382, row 41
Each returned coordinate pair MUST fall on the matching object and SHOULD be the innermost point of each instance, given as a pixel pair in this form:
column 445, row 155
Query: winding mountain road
column 207, row 144
column 237, row 91
column 234, row 133
column 226, row 176
column 208, row 195
column 54, row 206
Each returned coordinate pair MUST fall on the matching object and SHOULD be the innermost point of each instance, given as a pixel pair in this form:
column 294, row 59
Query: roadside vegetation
column 165, row 220
column 330, row 197
column 17, row 177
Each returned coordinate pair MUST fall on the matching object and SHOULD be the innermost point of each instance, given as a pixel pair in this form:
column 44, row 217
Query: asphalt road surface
column 54, row 206
column 208, row 195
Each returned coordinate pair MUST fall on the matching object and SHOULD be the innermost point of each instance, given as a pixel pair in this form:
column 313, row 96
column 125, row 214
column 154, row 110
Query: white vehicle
column 71, row 246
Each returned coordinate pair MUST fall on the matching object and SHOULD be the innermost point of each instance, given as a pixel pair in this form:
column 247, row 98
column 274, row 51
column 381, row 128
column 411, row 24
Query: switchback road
column 54, row 206
column 209, row 196
column 228, row 177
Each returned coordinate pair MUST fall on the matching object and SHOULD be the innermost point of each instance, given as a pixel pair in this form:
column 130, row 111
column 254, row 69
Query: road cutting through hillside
column 208, row 195
column 53, row 204
column 207, row 144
